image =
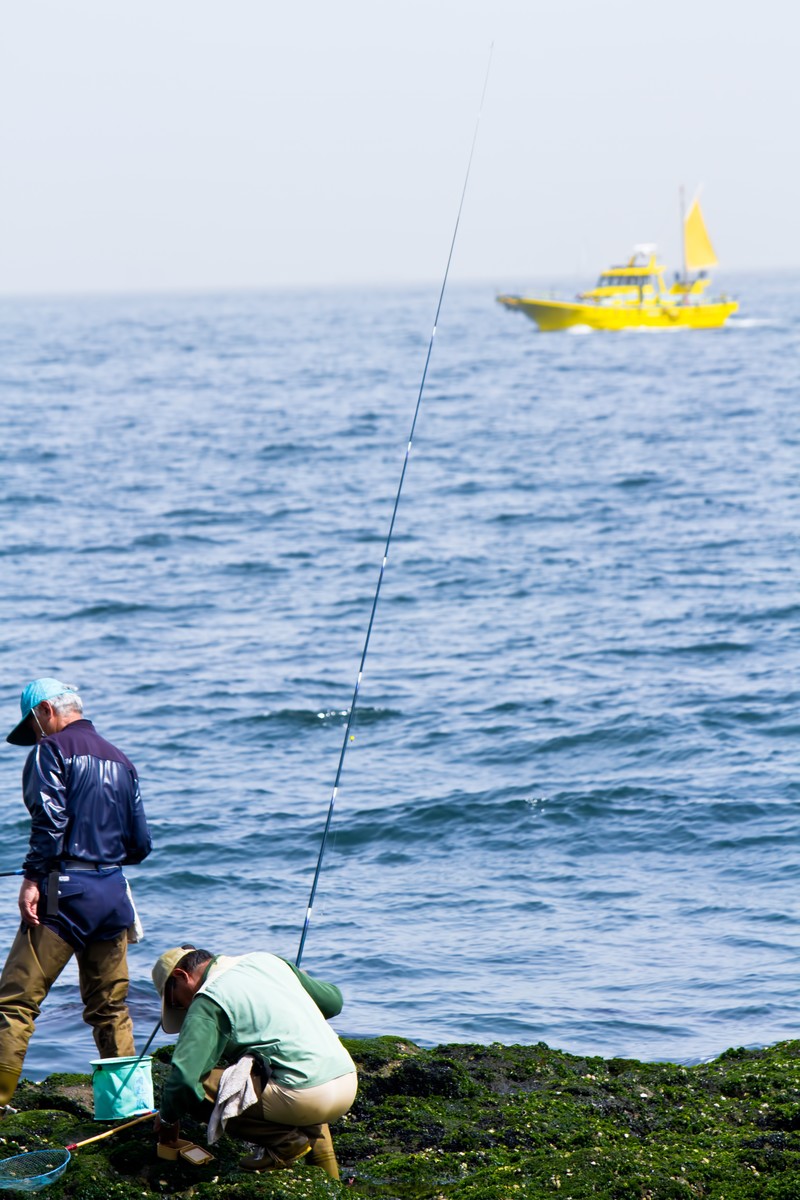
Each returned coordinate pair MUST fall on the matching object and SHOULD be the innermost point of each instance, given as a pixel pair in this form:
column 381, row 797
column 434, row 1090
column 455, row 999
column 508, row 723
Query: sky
column 202, row 144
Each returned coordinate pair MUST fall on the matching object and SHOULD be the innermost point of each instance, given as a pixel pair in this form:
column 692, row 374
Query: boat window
column 624, row 281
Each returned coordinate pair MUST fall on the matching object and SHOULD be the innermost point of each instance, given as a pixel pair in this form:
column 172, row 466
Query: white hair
column 66, row 702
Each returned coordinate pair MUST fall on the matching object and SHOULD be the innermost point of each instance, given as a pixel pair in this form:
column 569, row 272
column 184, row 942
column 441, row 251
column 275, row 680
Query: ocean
column 567, row 813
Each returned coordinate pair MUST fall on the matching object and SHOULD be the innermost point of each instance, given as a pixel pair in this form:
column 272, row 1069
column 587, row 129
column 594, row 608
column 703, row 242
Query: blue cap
column 35, row 693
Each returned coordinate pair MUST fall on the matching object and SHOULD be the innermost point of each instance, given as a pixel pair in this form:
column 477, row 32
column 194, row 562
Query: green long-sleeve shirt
column 207, row 1036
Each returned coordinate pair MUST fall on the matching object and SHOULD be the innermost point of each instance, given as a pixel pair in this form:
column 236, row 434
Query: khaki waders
column 35, row 961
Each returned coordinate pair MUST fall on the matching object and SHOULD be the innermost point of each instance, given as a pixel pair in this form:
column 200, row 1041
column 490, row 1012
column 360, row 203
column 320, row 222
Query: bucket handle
column 121, row 1085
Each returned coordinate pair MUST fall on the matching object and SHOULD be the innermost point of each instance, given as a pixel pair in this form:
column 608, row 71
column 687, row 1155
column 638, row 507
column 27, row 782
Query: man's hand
column 168, row 1135
column 28, row 902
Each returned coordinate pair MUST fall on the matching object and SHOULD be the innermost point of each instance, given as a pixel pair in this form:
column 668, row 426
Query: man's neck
column 67, row 719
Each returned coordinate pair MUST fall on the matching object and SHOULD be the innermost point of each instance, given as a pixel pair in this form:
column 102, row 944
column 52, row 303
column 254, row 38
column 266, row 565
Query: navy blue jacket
column 83, row 797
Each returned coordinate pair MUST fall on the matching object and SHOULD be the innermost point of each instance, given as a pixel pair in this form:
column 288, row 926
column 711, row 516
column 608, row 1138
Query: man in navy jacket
column 87, row 821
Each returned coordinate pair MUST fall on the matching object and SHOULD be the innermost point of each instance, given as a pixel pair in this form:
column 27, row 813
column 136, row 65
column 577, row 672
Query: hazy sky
column 223, row 143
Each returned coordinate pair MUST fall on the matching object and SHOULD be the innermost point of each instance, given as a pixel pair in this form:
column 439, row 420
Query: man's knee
column 36, row 959
column 103, row 972
column 210, row 1083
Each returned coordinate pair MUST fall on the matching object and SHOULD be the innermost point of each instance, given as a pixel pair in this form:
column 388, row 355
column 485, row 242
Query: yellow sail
column 698, row 249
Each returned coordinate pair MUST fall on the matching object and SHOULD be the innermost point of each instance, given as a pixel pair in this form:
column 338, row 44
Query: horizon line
column 231, row 289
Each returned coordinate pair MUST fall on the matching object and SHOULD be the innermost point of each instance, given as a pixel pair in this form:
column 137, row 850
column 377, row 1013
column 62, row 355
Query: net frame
column 34, row 1170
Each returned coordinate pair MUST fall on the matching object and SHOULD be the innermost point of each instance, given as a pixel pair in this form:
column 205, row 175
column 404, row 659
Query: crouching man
column 289, row 1074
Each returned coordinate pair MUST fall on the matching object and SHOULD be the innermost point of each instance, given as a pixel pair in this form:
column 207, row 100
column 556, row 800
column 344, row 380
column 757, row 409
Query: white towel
column 236, row 1093
column 135, row 930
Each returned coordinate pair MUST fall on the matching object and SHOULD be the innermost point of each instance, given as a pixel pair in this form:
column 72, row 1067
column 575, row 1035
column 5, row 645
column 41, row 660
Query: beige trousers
column 284, row 1117
column 35, row 961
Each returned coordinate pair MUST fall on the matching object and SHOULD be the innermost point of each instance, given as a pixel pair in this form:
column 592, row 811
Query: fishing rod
column 354, row 701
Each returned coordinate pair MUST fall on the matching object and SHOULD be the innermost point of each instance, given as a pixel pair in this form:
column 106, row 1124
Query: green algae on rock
column 472, row 1122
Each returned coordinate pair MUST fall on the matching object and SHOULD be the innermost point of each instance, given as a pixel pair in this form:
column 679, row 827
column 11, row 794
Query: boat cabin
column 640, row 278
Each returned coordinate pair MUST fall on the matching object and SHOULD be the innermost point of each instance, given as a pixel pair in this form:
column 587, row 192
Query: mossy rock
column 466, row 1122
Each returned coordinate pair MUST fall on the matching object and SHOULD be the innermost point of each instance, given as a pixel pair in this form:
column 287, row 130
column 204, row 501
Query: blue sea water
column 568, row 811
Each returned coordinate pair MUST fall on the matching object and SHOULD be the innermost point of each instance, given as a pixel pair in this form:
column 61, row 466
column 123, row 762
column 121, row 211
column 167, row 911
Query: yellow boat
column 635, row 296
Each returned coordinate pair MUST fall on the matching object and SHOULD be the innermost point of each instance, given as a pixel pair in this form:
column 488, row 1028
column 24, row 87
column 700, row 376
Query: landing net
column 33, row 1171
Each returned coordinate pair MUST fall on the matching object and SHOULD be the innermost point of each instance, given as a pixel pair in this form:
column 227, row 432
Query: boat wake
column 753, row 323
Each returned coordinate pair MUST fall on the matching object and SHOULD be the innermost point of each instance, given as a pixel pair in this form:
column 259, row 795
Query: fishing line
column 346, row 739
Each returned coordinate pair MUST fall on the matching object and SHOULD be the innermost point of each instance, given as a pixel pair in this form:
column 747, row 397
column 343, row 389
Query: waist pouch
column 262, row 1069
column 92, row 906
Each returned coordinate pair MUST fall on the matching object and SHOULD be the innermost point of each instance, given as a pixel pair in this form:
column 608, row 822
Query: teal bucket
column 122, row 1087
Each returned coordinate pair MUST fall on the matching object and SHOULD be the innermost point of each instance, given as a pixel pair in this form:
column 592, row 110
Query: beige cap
column 171, row 1018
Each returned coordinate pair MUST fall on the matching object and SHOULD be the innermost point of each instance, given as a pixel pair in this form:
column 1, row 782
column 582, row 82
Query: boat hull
column 553, row 315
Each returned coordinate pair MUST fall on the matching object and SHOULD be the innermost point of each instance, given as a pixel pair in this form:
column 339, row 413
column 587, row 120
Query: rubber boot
column 278, row 1154
column 9, row 1077
column 322, row 1152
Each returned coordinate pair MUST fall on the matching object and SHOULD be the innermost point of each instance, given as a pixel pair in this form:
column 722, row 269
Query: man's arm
column 139, row 842
column 203, row 1038
column 326, row 996
column 44, row 793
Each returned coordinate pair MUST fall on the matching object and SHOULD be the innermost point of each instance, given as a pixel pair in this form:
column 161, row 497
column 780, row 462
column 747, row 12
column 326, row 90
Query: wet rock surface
column 476, row 1123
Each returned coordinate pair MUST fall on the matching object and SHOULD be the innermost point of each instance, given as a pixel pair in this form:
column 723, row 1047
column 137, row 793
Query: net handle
column 98, row 1137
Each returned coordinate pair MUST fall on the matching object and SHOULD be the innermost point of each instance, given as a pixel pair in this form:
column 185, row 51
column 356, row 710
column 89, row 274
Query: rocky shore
column 467, row 1122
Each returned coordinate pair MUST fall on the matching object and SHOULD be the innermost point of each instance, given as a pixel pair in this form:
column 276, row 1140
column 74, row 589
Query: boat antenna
column 346, row 738
column 682, row 192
